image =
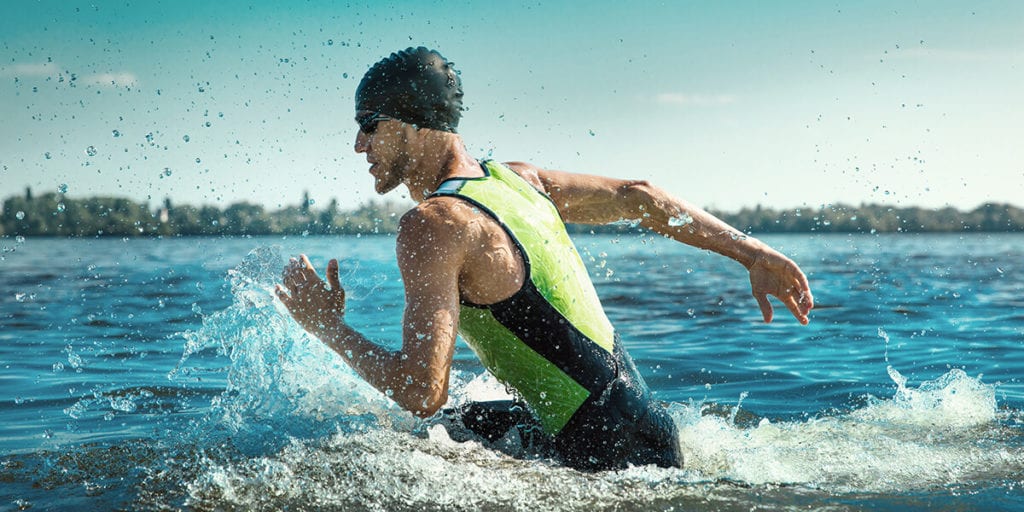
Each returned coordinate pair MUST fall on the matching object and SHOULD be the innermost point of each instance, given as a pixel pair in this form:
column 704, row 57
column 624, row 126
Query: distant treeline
column 875, row 218
column 54, row 214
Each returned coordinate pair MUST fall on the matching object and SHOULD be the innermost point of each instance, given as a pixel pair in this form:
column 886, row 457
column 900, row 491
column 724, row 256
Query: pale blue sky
column 726, row 104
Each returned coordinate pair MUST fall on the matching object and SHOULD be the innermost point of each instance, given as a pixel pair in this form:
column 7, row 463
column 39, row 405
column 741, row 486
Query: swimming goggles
column 368, row 122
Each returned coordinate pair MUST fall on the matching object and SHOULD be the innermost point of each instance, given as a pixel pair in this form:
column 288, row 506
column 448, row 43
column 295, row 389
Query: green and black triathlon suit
column 552, row 343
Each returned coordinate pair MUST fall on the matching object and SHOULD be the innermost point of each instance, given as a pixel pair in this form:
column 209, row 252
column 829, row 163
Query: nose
column 362, row 142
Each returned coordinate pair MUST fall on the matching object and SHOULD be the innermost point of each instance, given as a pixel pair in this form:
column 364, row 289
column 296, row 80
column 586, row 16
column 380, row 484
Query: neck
column 443, row 156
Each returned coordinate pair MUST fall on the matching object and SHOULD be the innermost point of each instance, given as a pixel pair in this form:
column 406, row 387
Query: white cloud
column 122, row 79
column 52, row 70
column 27, row 70
column 694, row 100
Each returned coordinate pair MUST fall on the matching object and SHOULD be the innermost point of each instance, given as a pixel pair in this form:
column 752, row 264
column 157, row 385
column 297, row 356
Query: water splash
column 306, row 432
column 885, row 337
column 936, row 435
column 281, row 383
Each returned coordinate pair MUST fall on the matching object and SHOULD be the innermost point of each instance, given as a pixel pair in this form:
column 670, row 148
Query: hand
column 775, row 274
column 311, row 303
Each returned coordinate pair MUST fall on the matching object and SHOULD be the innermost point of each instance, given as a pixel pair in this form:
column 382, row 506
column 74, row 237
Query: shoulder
column 529, row 172
column 438, row 223
column 435, row 213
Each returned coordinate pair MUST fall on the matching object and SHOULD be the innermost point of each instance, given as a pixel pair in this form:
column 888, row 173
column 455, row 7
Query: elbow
column 640, row 197
column 636, row 193
column 424, row 404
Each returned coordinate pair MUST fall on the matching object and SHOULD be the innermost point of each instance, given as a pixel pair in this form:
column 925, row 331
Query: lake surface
column 161, row 374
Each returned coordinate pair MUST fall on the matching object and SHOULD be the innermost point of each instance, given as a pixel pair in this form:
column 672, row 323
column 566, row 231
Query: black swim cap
column 415, row 85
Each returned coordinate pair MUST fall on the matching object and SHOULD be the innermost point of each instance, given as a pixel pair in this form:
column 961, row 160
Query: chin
column 384, row 188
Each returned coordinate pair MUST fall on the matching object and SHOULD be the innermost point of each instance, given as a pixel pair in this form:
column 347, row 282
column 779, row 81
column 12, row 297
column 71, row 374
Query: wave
column 307, row 432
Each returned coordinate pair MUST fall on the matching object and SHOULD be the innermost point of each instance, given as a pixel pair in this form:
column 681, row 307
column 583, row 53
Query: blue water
column 161, row 374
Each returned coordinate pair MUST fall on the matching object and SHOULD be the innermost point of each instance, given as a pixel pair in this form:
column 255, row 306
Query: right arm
column 416, row 376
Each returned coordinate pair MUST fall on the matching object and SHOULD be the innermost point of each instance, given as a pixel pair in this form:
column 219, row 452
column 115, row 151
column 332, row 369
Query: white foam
column 376, row 457
column 935, row 435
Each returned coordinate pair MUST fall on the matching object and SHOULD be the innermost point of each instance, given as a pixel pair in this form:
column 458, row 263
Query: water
column 161, row 374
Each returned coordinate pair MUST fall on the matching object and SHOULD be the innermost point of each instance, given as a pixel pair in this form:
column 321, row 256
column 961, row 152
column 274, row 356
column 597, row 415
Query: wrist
column 749, row 251
column 327, row 328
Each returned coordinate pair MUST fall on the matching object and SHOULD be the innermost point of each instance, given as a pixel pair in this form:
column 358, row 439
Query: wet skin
column 447, row 249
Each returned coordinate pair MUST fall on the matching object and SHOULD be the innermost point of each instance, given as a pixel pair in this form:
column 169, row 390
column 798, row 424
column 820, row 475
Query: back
column 550, row 341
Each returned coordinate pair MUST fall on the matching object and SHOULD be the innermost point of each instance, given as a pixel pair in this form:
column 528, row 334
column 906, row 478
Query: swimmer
column 485, row 254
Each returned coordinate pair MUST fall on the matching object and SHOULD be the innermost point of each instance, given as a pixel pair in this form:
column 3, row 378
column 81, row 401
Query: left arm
column 588, row 199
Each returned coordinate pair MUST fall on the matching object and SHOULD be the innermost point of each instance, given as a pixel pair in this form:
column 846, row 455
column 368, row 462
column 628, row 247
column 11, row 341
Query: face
column 382, row 140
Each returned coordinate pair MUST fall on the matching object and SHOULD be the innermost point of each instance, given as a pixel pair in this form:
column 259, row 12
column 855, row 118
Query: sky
column 724, row 104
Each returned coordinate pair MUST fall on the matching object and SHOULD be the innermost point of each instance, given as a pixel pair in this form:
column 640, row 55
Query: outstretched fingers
column 332, row 275
column 307, row 269
column 788, row 284
column 766, row 307
column 796, row 309
column 798, row 298
column 292, row 275
column 282, row 295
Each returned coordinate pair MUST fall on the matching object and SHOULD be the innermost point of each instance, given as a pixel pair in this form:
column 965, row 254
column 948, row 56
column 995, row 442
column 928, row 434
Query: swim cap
column 415, row 85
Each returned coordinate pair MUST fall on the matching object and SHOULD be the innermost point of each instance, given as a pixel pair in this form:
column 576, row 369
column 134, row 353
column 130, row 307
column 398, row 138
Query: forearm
column 691, row 225
column 415, row 377
column 384, row 369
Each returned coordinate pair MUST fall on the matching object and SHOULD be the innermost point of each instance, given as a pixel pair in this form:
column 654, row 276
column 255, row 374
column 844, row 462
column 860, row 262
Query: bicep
column 590, row 199
column 429, row 268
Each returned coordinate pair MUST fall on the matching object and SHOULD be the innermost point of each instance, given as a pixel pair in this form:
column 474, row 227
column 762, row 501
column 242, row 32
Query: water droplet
column 591, row 133
column 19, row 400
column 185, row 138
column 47, row 155
column 74, row 360
column 198, row 160
column 20, row 215
column 207, row 124
column 20, row 296
column 58, row 367
column 62, row 188
column 91, row 151
column 20, row 239
column 149, row 138
column 116, row 133
column 60, row 207
column 167, row 171
column 681, row 220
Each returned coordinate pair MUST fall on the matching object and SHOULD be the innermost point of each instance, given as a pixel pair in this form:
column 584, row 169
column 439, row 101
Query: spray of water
column 305, row 431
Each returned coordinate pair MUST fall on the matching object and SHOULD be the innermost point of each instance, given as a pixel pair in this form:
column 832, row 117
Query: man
column 484, row 253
